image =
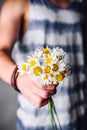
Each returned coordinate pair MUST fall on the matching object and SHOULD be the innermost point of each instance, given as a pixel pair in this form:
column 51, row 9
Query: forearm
column 7, row 66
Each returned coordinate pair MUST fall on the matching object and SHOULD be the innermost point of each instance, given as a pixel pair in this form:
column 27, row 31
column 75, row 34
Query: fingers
column 44, row 93
column 35, row 92
column 36, row 100
column 50, row 86
column 47, row 87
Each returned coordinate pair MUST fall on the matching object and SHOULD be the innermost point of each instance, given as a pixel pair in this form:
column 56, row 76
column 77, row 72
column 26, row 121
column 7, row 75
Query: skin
column 12, row 13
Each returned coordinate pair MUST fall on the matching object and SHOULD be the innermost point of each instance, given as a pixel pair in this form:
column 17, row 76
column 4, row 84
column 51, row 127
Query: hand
column 35, row 92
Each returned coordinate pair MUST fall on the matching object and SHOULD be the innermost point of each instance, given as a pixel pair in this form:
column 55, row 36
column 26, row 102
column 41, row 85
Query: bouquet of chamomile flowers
column 50, row 67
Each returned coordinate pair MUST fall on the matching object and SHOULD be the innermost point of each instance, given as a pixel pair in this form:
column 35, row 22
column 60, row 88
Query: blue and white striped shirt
column 53, row 26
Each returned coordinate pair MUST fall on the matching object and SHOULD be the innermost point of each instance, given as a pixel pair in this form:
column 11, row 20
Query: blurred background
column 1, row 1
column 7, row 107
column 8, row 104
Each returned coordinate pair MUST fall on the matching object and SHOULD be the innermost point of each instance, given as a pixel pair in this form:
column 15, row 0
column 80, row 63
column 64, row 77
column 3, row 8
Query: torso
column 47, row 24
column 25, row 18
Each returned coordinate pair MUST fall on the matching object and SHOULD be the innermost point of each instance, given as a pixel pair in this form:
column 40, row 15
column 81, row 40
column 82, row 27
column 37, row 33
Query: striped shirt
column 54, row 26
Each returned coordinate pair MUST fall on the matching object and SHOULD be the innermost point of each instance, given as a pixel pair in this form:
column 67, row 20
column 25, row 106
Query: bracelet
column 14, row 78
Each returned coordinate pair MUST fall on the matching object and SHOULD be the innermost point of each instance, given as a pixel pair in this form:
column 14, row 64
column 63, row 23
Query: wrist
column 14, row 79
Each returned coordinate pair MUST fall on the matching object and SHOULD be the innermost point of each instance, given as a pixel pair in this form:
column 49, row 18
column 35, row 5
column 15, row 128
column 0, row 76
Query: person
column 26, row 25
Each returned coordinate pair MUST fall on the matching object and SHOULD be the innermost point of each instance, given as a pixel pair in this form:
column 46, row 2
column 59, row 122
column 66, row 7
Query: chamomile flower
column 45, row 79
column 58, row 67
column 52, row 78
column 46, row 52
column 46, row 64
column 49, row 59
column 36, row 72
column 32, row 61
column 58, row 53
column 22, row 67
column 67, row 70
column 37, row 53
column 59, row 77
column 55, row 67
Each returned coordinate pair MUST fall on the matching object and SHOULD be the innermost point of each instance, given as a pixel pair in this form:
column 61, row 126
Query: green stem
column 52, row 111
column 54, row 127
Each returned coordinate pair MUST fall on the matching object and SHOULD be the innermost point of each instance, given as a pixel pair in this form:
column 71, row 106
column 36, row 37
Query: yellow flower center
column 48, row 60
column 24, row 67
column 32, row 63
column 47, row 69
column 45, row 50
column 60, row 77
column 35, row 57
column 51, row 75
column 55, row 67
column 45, row 77
column 38, row 71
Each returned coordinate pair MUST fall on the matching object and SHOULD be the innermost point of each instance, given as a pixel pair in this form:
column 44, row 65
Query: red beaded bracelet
column 14, row 78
